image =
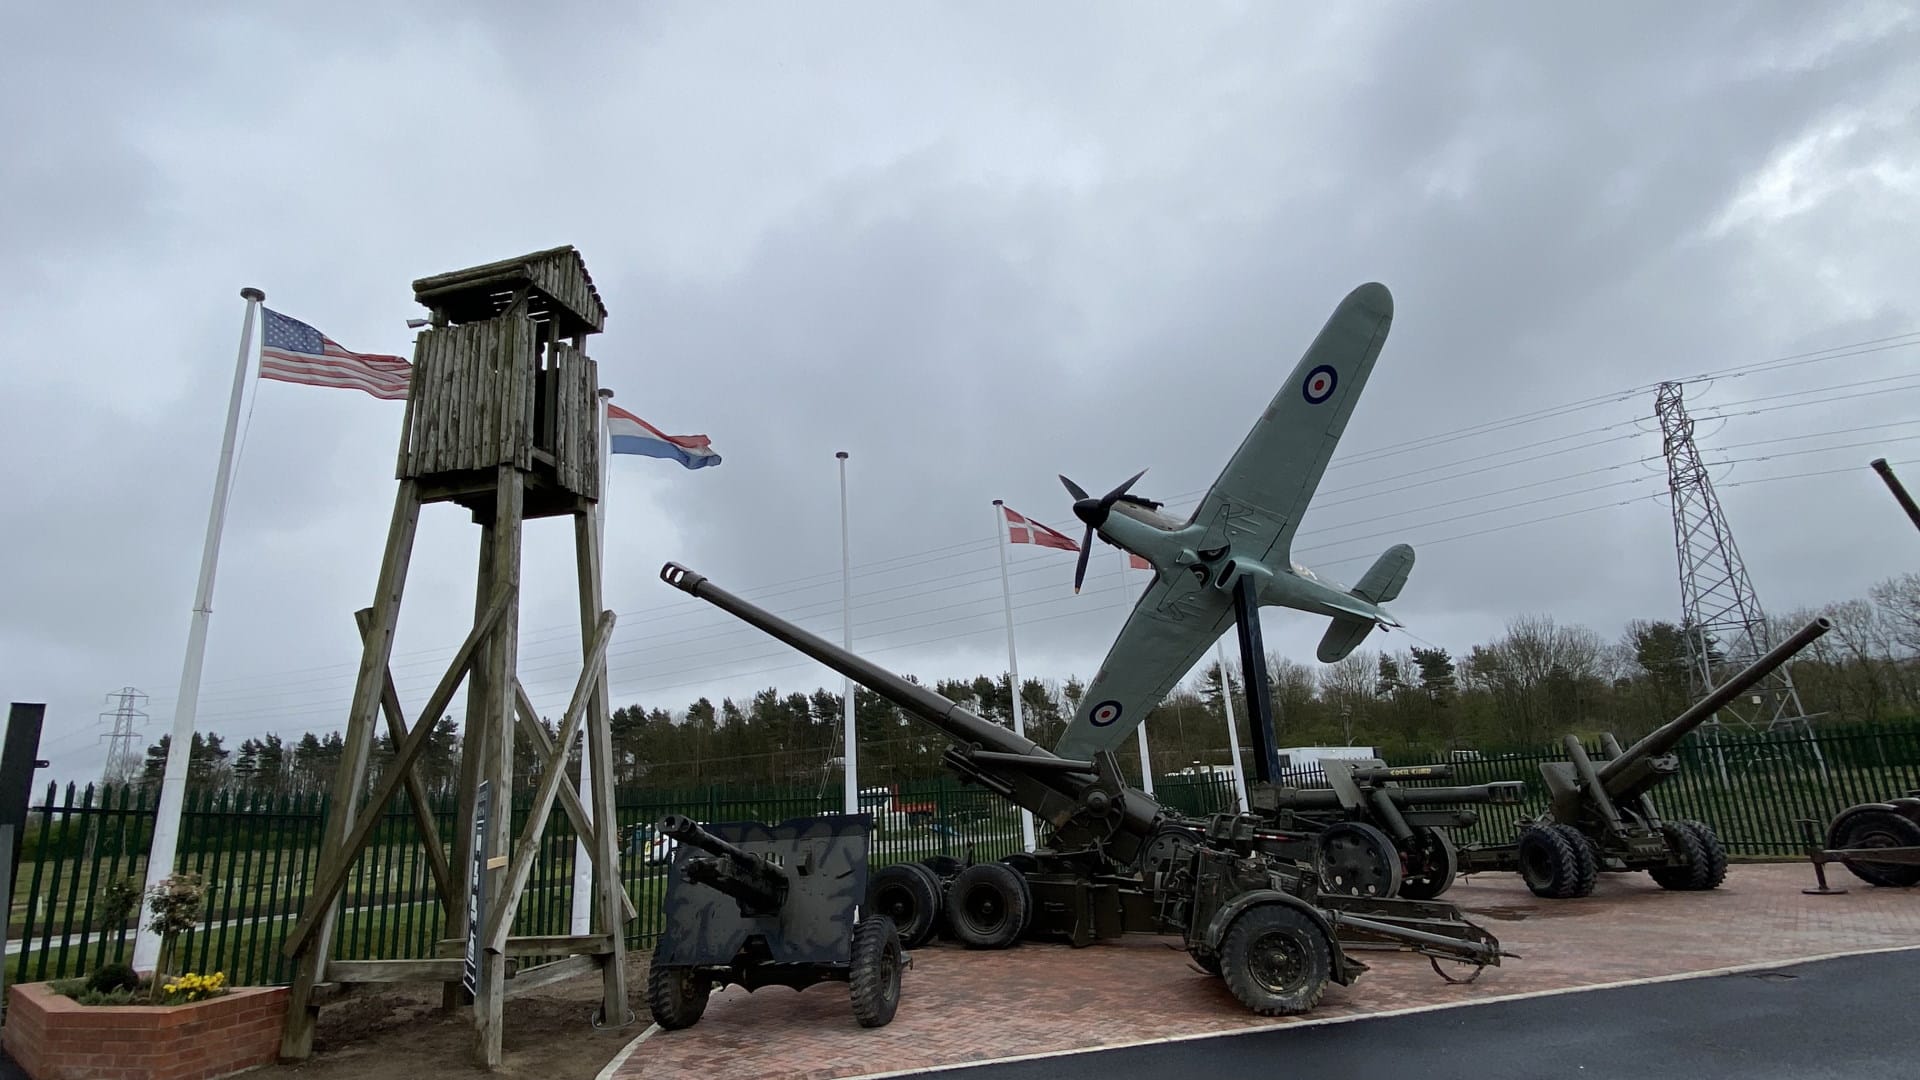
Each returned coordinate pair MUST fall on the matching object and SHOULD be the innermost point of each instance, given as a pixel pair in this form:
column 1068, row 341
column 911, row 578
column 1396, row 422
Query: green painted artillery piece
column 1116, row 862
column 1601, row 816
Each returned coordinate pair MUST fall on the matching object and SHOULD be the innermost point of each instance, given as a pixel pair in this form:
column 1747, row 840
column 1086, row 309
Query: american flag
column 291, row 351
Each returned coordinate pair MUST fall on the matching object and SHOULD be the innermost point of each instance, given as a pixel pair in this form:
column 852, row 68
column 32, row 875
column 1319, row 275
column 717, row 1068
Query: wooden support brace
column 394, row 971
column 559, row 971
column 534, row 945
column 335, row 876
column 552, row 778
column 416, row 791
column 569, row 799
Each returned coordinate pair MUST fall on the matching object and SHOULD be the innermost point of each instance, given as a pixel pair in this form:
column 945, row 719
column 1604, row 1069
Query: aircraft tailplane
column 1341, row 638
column 1387, row 576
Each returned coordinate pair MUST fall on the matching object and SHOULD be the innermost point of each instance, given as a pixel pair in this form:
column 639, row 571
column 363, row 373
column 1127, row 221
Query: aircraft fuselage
column 1170, row 545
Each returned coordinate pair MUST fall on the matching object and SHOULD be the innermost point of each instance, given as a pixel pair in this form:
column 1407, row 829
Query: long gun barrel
column 1668, row 735
column 760, row 886
column 1899, row 493
column 1506, row 793
column 1085, row 802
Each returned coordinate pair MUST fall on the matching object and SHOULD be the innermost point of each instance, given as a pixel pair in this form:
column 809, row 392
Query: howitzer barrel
column 942, row 713
column 688, row 831
column 1668, row 735
column 1328, row 799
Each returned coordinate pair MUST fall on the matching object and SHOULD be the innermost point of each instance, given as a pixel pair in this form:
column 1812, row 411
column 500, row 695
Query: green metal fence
column 258, row 854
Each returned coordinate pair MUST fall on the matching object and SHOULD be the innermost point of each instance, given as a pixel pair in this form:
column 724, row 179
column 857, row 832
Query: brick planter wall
column 53, row 1037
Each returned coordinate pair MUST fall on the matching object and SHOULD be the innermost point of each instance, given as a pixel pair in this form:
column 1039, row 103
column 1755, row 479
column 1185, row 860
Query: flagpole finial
column 841, row 454
column 997, row 502
column 606, row 394
column 251, row 293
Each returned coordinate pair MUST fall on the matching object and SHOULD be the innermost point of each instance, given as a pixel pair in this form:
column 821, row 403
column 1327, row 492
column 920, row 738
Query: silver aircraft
column 1241, row 531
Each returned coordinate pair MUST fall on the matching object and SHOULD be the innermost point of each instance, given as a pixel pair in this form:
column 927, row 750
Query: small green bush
column 113, row 977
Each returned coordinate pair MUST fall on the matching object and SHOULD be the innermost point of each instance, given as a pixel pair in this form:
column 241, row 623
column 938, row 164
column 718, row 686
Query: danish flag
column 1024, row 530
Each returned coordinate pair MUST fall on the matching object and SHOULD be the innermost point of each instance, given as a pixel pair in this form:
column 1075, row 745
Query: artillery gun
column 1878, row 842
column 1117, row 862
column 1371, row 836
column 771, row 905
column 1601, row 815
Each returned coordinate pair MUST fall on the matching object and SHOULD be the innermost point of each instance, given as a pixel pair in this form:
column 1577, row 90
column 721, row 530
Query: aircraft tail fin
column 1387, row 576
column 1347, row 632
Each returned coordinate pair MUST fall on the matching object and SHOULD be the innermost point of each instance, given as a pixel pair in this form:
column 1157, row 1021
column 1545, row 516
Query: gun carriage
column 1116, row 862
column 1601, row 816
column 771, row 905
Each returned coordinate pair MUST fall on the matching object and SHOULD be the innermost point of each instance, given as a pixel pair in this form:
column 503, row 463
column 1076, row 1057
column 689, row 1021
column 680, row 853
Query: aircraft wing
column 1257, row 501
column 1172, row 625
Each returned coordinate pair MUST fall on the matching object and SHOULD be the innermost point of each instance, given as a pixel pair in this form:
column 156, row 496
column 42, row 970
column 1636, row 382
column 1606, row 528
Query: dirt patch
column 402, row 1033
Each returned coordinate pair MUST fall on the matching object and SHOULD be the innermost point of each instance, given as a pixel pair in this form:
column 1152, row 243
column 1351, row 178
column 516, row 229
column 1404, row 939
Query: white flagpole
column 846, row 619
column 1233, row 733
column 173, row 784
column 1146, row 765
column 1013, row 665
column 582, row 862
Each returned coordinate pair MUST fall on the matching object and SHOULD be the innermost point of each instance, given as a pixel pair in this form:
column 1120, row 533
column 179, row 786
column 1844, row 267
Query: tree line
column 1537, row 681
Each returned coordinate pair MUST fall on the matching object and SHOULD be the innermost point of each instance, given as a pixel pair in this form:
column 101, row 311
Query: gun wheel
column 677, row 996
column 1432, row 864
column 1353, row 858
column 987, row 905
column 1275, row 960
column 1587, row 856
column 1551, row 863
column 1714, row 870
column 909, row 894
column 873, row 981
column 1875, row 829
column 1695, row 867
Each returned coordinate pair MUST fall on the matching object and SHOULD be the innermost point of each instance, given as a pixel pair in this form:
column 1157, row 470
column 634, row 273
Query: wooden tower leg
column 473, row 748
column 609, row 894
column 296, row 1041
column 497, row 772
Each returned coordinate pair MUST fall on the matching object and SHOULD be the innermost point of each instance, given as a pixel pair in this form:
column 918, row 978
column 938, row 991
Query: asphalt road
column 1850, row 1017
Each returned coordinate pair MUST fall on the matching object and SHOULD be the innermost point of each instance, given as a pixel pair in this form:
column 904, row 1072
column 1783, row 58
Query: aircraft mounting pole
column 1253, row 671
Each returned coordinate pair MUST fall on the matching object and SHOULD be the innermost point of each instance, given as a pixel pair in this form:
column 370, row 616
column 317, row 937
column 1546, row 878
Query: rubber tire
column 1588, row 857
column 1691, row 877
column 1901, row 830
column 1716, row 866
column 1002, row 891
column 873, row 979
column 1428, row 886
column 1385, row 856
column 1550, row 864
column 1237, row 961
column 908, row 894
column 677, row 996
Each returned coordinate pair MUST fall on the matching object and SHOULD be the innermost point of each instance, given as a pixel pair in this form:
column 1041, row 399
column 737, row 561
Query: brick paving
column 959, row 1006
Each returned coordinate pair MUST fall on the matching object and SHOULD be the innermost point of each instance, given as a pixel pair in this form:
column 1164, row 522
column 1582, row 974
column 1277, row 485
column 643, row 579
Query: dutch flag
column 628, row 434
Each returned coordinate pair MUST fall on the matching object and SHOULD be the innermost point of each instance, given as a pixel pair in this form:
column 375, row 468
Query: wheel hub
column 1277, row 962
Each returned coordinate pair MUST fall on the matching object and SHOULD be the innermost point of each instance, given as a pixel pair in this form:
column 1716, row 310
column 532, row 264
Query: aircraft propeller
column 1094, row 512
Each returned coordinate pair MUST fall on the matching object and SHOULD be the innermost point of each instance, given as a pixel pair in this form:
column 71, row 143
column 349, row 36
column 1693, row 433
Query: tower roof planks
column 559, row 290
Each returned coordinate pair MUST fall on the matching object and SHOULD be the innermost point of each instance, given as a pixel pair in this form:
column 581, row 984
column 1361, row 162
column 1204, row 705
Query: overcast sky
column 972, row 245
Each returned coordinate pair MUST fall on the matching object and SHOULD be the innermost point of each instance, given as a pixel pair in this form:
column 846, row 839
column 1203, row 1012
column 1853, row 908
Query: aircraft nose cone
column 1089, row 511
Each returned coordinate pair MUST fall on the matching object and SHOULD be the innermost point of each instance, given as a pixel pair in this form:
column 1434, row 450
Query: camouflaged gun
column 771, row 905
column 1117, row 862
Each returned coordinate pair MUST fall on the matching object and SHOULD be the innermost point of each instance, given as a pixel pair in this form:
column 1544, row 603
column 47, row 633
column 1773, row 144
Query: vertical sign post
column 476, row 891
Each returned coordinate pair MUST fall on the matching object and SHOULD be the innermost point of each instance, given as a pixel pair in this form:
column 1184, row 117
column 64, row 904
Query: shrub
column 113, row 977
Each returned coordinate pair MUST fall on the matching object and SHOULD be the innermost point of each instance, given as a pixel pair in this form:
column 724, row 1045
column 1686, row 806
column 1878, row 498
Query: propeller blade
column 1080, row 570
column 1073, row 489
column 1122, row 489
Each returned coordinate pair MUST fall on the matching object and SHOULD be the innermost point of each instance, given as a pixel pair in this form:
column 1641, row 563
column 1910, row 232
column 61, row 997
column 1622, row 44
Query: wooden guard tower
column 501, row 419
